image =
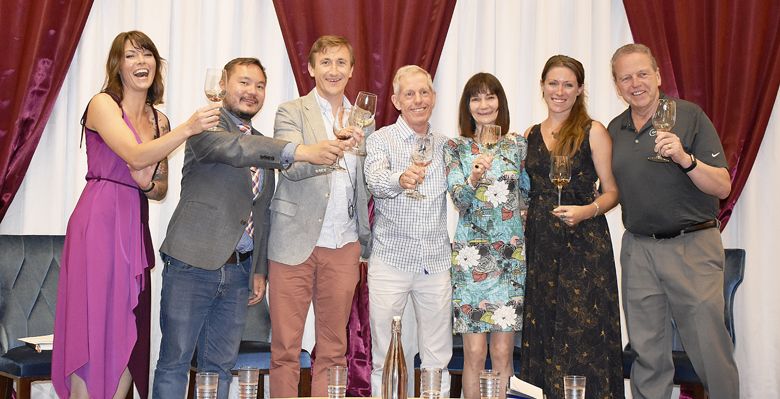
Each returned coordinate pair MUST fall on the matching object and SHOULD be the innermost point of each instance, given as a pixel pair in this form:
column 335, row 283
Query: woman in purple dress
column 107, row 245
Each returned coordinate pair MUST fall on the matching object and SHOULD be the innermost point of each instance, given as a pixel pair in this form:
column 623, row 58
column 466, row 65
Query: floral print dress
column 488, row 255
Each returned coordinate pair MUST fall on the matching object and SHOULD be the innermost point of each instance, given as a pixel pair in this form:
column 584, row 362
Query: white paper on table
column 521, row 389
column 40, row 342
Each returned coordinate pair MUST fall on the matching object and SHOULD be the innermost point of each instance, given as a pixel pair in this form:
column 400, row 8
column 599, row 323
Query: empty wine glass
column 560, row 172
column 663, row 120
column 214, row 87
column 422, row 155
column 489, row 136
column 362, row 116
column 340, row 124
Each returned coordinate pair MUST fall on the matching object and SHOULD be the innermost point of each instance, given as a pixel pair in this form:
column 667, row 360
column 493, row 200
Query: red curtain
column 723, row 55
column 38, row 40
column 385, row 35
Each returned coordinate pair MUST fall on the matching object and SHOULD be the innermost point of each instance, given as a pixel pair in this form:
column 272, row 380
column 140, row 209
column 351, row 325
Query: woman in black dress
column 572, row 317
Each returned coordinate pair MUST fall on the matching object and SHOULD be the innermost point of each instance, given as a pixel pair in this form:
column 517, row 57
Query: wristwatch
column 692, row 165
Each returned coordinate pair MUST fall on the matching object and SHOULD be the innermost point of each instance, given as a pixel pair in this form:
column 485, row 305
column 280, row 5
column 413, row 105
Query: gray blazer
column 301, row 197
column 216, row 197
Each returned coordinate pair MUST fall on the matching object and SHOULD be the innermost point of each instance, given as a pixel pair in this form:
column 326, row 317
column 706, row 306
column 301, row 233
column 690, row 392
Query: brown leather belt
column 690, row 229
column 237, row 257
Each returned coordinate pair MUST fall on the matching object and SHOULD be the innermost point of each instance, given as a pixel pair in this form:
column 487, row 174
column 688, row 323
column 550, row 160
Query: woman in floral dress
column 490, row 189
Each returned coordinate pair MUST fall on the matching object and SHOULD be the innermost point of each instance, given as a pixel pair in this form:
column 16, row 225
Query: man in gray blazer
column 319, row 228
column 218, row 233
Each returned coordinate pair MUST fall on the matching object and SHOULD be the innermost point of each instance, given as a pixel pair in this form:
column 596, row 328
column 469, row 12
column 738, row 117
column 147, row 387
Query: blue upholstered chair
column 255, row 351
column 733, row 274
column 29, row 270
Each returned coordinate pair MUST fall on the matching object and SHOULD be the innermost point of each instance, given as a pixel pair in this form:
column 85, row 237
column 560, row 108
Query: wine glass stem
column 559, row 196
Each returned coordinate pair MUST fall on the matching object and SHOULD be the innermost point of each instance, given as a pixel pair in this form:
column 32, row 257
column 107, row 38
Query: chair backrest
column 29, row 269
column 733, row 274
column 258, row 322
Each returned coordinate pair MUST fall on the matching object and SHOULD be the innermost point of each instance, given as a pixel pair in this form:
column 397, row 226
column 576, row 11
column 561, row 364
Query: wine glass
column 362, row 116
column 215, row 91
column 560, row 172
column 340, row 124
column 663, row 120
column 489, row 136
column 422, row 155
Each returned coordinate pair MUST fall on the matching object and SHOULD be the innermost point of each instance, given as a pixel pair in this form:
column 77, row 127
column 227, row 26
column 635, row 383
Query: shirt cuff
column 288, row 154
column 394, row 183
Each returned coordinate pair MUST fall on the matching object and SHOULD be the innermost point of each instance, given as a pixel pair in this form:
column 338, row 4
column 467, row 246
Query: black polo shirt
column 660, row 197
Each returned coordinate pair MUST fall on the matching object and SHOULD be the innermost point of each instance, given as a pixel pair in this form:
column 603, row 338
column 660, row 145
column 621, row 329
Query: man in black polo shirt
column 672, row 255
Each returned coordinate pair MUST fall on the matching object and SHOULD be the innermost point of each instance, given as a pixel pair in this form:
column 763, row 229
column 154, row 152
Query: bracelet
column 598, row 209
column 148, row 189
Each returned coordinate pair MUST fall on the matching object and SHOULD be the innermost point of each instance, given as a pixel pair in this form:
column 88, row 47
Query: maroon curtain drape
column 385, row 35
column 38, row 40
column 723, row 55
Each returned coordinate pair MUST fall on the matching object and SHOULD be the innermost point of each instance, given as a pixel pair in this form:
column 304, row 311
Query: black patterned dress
column 572, row 319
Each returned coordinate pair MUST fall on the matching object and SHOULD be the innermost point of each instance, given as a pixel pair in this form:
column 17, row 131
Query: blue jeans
column 207, row 307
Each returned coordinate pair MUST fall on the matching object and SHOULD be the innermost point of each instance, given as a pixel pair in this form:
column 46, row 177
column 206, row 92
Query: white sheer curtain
column 509, row 39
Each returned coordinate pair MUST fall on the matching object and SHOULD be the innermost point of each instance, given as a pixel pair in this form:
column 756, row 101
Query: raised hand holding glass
column 663, row 120
column 489, row 136
column 340, row 130
column 362, row 116
column 422, row 155
column 214, row 88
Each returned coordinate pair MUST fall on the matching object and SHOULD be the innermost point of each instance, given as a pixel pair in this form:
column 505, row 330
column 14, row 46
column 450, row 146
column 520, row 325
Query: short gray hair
column 408, row 70
column 632, row 48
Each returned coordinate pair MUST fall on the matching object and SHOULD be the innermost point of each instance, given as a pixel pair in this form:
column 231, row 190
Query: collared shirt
column 409, row 234
column 660, row 197
column 338, row 228
column 246, row 243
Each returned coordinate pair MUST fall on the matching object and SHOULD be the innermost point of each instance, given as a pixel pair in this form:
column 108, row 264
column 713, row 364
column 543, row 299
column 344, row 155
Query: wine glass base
column 659, row 159
column 485, row 181
column 356, row 151
column 414, row 194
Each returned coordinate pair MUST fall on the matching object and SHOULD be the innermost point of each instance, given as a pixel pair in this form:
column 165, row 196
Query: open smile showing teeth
column 141, row 73
column 558, row 100
column 636, row 93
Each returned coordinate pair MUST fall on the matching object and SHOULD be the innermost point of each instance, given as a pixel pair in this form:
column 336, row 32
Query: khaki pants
column 328, row 277
column 681, row 277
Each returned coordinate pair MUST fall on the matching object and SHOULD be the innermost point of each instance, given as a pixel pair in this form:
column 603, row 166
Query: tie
column 250, row 226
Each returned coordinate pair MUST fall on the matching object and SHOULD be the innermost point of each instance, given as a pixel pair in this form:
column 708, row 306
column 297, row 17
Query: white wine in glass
column 422, row 155
column 362, row 115
column 560, row 172
column 663, row 120
column 214, row 87
column 489, row 136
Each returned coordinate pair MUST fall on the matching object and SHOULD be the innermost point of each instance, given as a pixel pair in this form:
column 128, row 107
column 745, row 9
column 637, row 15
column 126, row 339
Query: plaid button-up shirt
column 409, row 234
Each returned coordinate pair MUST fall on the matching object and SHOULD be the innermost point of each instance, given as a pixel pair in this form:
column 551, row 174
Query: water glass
column 430, row 383
column 337, row 382
column 206, row 385
column 574, row 387
column 248, row 377
column 489, row 384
